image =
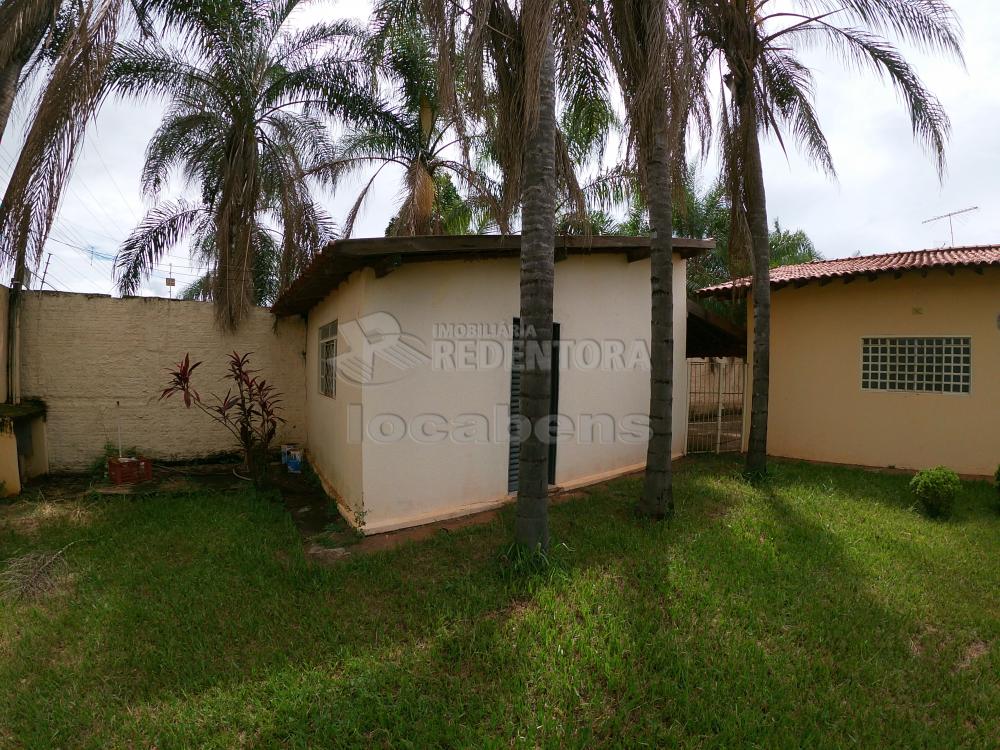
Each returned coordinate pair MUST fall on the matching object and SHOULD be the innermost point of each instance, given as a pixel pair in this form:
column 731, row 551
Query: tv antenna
column 950, row 217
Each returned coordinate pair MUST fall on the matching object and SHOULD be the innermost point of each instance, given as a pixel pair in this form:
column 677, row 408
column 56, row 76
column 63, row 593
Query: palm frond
column 927, row 24
column 785, row 94
column 70, row 97
column 162, row 228
column 183, row 137
column 862, row 49
column 199, row 289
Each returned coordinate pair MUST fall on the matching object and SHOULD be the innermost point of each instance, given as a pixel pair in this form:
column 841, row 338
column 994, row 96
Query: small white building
column 408, row 369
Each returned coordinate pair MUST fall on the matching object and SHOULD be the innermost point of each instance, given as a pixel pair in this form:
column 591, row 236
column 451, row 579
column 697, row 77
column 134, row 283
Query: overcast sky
column 886, row 186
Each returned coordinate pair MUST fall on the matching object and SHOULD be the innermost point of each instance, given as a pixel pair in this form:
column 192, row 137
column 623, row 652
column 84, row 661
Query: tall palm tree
column 510, row 76
column 538, row 218
column 249, row 103
column 767, row 89
column 413, row 134
column 651, row 49
column 69, row 44
column 23, row 25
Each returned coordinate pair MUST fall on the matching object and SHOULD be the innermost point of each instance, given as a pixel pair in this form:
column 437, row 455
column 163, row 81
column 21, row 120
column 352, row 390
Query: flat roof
column 341, row 258
column 825, row 271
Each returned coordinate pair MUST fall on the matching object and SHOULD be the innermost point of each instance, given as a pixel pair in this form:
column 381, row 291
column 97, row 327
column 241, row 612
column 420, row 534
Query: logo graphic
column 377, row 350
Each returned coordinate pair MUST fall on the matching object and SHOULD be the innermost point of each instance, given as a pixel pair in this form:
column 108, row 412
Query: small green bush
column 936, row 490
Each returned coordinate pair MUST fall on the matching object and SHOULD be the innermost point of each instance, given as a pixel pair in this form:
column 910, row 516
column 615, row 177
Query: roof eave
column 340, row 258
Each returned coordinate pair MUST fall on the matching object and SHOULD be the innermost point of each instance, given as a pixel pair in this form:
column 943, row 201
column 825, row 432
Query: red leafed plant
column 250, row 412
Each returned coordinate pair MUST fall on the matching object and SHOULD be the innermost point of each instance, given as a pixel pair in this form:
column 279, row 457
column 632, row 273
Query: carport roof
column 341, row 258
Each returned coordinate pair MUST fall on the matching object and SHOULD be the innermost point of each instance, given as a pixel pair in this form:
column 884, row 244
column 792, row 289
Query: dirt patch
column 973, row 653
column 928, row 641
column 28, row 517
column 314, row 513
column 36, row 575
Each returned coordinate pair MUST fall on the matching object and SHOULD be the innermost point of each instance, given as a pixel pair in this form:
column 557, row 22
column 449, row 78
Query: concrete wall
column 335, row 457
column 93, row 358
column 818, row 410
column 460, row 464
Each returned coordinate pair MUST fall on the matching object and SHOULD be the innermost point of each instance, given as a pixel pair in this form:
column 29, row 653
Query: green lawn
column 820, row 611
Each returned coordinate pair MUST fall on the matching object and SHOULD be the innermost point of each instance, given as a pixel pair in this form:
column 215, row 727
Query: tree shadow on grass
column 742, row 621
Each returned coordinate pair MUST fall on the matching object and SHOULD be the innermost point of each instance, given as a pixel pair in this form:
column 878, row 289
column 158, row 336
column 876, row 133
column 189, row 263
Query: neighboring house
column 886, row 360
column 409, row 386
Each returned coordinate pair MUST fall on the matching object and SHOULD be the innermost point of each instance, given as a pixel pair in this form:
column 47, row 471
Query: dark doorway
column 517, row 363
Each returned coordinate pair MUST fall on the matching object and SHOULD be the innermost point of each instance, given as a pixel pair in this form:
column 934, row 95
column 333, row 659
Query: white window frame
column 328, row 364
column 956, row 380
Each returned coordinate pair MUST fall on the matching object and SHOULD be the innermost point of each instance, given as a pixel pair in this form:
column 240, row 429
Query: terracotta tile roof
column 869, row 265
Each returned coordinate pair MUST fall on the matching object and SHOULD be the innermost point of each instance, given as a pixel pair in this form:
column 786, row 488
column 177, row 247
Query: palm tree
column 23, row 24
column 506, row 59
column 704, row 213
column 538, row 212
column 766, row 88
column 249, row 103
column 790, row 248
column 411, row 133
column 650, row 47
column 72, row 43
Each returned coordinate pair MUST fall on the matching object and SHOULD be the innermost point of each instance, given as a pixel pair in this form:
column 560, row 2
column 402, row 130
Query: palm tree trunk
column 8, row 89
column 537, row 282
column 756, row 205
column 658, row 498
column 14, row 298
column 9, row 79
column 10, row 76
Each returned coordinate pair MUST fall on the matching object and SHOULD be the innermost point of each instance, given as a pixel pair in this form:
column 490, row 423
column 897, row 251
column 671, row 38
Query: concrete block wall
column 97, row 361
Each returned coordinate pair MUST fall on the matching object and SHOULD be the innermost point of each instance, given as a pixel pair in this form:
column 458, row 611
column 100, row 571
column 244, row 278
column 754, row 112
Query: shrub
column 936, row 490
column 250, row 414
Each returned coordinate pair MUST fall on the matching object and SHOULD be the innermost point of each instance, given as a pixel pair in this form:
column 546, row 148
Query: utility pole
column 950, row 217
column 45, row 271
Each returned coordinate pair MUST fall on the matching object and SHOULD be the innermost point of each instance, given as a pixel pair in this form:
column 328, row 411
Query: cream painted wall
column 10, row 475
column 408, row 481
column 605, row 298
column 83, row 353
column 817, row 408
column 462, row 467
column 334, row 455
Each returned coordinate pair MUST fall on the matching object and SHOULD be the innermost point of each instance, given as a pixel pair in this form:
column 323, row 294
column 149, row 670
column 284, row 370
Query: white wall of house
column 432, row 441
column 336, row 458
column 413, row 480
column 603, row 298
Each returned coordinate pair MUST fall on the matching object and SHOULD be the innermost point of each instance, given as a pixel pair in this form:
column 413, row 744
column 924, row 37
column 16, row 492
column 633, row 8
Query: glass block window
column 328, row 359
column 939, row 364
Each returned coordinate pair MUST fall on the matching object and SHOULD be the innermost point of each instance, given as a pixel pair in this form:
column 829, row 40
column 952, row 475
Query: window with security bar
column 328, row 359
column 938, row 364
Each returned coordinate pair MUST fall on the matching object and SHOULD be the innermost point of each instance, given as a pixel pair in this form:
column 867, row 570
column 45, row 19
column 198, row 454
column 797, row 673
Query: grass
column 820, row 610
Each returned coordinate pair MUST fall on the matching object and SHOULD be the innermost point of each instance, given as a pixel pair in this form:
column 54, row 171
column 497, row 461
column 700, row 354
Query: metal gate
column 715, row 405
